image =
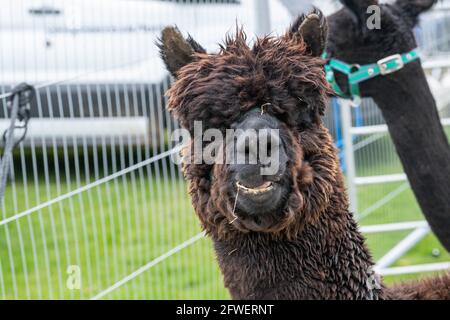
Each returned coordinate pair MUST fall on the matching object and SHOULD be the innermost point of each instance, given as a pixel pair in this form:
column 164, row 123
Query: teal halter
column 359, row 73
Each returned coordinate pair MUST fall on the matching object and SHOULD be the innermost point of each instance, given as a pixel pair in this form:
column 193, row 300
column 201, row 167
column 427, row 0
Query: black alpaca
column 403, row 97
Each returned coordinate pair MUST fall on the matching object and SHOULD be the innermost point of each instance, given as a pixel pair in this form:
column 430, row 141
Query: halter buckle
column 383, row 64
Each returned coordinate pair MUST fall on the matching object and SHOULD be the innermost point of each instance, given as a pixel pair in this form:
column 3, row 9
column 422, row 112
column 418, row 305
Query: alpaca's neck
column 405, row 94
column 412, row 117
column 327, row 261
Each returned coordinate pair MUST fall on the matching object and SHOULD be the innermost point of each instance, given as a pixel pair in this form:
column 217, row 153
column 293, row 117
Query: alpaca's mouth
column 265, row 187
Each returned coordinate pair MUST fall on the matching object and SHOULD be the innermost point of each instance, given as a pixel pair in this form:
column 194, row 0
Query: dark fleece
column 316, row 250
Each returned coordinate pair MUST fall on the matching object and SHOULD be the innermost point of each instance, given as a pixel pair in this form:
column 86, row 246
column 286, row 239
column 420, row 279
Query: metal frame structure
column 419, row 228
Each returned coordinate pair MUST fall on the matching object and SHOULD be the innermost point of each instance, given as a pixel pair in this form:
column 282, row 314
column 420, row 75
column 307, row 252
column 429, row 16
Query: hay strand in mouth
column 234, row 207
column 263, row 110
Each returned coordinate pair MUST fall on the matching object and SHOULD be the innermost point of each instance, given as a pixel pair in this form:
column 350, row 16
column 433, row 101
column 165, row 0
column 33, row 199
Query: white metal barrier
column 420, row 229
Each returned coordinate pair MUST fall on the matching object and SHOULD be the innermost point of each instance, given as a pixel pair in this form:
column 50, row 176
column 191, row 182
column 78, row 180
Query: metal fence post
column 9, row 144
column 262, row 17
column 349, row 156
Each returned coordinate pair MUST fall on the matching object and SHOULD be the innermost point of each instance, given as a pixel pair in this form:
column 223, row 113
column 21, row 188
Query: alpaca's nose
column 260, row 155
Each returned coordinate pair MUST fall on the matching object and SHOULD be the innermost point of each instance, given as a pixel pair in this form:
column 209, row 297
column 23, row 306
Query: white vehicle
column 113, row 41
column 96, row 62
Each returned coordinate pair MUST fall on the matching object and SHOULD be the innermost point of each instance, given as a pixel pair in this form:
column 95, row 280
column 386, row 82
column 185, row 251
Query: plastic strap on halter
column 359, row 73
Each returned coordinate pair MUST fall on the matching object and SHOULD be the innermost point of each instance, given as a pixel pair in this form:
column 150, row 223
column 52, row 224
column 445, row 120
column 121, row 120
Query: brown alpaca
column 288, row 235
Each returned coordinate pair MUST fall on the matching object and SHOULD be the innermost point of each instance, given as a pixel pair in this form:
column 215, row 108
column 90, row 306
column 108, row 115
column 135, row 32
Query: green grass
column 402, row 208
column 378, row 159
column 112, row 230
column 109, row 232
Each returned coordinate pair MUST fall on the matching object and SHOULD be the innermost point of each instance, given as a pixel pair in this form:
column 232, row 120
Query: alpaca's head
column 276, row 88
column 365, row 31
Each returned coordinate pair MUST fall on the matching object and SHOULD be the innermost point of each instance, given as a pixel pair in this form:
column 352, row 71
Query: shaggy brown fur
column 437, row 288
column 313, row 249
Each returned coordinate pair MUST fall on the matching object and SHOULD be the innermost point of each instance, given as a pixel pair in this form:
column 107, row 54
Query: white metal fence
column 368, row 142
column 371, row 134
column 93, row 207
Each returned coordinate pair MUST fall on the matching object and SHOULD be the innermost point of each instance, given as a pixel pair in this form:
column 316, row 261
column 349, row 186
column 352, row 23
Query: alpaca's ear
column 313, row 28
column 413, row 8
column 175, row 50
column 359, row 8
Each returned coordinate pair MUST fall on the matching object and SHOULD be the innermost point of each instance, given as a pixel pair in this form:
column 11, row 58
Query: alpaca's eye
column 307, row 157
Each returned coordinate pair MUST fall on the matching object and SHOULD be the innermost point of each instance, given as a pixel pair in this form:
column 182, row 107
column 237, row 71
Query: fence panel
column 94, row 208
